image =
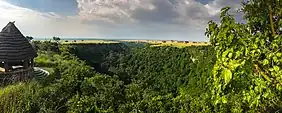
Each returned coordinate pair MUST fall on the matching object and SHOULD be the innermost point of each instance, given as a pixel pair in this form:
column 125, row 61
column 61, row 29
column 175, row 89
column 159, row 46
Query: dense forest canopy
column 239, row 72
column 119, row 78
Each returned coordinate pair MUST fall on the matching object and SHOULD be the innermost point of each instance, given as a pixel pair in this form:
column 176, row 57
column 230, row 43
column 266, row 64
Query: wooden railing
column 15, row 76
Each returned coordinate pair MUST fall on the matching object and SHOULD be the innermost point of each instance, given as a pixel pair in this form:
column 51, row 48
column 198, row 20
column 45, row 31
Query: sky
column 115, row 19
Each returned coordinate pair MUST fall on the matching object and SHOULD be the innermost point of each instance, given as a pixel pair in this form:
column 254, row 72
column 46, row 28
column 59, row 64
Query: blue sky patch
column 204, row 1
column 64, row 7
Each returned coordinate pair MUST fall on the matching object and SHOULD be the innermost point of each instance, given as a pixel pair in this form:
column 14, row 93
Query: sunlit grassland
column 180, row 45
column 87, row 41
column 153, row 43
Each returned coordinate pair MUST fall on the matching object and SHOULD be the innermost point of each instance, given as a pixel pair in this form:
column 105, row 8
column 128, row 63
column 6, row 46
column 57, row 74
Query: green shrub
column 19, row 98
column 43, row 60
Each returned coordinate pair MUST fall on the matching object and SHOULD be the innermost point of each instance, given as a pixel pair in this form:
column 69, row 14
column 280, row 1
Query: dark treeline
column 153, row 72
column 100, row 56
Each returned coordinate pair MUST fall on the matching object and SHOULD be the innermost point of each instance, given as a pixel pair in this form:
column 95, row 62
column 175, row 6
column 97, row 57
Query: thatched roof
column 14, row 47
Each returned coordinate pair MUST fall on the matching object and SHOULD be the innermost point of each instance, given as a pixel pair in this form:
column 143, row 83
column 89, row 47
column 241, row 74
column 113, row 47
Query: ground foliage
column 155, row 79
column 145, row 79
column 99, row 56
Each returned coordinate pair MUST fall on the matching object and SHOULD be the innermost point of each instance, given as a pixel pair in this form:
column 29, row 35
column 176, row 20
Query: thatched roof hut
column 14, row 47
column 16, row 55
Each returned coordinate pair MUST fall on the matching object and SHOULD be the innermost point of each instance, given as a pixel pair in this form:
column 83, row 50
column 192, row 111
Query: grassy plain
column 86, row 41
column 179, row 44
column 153, row 43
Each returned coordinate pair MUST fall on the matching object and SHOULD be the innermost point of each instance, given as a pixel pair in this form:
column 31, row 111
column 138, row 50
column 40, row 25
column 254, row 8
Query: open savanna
column 87, row 41
column 170, row 43
column 153, row 43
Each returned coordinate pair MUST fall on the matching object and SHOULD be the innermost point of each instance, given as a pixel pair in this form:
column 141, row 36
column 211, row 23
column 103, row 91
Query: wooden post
column 31, row 63
column 31, row 72
column 6, row 66
column 25, row 64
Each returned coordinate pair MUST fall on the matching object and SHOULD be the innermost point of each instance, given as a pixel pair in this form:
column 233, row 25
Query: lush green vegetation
column 247, row 73
column 132, row 79
column 100, row 56
column 239, row 72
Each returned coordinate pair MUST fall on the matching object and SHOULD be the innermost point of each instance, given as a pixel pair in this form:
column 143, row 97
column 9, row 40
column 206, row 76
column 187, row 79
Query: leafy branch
column 271, row 20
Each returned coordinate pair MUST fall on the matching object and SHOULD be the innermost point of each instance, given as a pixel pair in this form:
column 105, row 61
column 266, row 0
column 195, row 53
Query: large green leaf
column 265, row 62
column 227, row 75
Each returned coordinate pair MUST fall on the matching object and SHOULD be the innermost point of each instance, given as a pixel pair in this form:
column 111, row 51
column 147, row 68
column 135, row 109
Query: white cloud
column 215, row 6
column 147, row 19
column 39, row 24
column 111, row 10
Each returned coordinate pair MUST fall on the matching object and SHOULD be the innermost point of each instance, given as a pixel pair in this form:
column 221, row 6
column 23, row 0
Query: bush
column 20, row 98
column 43, row 60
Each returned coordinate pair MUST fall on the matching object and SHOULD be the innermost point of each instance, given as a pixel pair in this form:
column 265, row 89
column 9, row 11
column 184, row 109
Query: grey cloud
column 143, row 19
column 234, row 4
column 153, row 18
column 160, row 11
column 164, row 12
column 153, row 31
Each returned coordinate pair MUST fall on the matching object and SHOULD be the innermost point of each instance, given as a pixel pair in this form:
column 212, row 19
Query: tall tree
column 248, row 55
column 57, row 39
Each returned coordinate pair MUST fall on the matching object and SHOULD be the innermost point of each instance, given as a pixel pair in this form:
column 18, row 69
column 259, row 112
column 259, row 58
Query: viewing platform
column 15, row 76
